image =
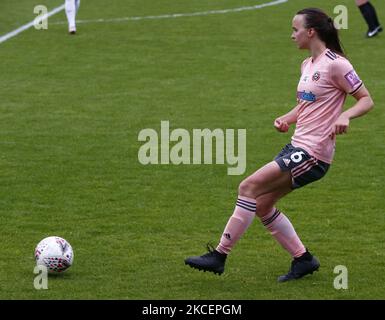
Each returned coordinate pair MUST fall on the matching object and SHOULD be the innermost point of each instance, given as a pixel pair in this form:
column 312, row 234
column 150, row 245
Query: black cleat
column 374, row 32
column 212, row 261
column 306, row 264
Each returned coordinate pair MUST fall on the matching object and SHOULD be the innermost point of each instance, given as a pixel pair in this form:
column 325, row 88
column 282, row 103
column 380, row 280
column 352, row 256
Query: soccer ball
column 55, row 253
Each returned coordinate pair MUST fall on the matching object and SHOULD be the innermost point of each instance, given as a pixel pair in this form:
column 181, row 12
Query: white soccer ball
column 55, row 253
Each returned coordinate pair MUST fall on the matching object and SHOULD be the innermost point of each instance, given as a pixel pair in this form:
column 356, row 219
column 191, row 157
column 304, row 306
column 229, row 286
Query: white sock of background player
column 71, row 7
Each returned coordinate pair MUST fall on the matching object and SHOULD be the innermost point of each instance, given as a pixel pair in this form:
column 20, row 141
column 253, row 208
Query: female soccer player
column 326, row 78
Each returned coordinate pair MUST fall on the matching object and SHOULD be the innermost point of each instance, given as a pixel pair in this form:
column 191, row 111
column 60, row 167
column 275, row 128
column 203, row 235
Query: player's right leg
column 70, row 9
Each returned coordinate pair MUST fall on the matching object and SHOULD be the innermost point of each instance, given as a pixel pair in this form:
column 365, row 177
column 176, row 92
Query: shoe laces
column 292, row 267
column 210, row 249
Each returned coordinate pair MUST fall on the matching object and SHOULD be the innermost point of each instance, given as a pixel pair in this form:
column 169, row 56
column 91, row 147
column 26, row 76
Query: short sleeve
column 344, row 77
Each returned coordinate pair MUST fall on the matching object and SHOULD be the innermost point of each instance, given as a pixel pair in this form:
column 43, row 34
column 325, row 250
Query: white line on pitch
column 179, row 15
column 165, row 16
column 30, row 24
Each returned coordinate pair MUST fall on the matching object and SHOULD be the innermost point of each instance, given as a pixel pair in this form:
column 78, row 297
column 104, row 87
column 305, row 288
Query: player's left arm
column 363, row 105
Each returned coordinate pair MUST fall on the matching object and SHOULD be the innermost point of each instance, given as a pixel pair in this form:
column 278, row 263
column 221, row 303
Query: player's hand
column 341, row 126
column 280, row 125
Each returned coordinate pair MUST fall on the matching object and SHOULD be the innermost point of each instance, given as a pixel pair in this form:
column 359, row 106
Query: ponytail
column 324, row 25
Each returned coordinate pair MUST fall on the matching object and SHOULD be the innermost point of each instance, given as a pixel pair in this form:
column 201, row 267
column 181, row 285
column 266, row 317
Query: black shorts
column 303, row 167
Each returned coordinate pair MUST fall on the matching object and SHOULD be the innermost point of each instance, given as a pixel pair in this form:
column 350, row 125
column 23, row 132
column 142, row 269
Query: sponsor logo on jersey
column 308, row 96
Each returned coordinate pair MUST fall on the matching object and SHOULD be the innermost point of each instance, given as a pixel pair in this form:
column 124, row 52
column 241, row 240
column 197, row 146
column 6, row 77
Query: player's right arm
column 283, row 123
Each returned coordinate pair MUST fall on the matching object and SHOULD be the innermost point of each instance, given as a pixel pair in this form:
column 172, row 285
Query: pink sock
column 238, row 223
column 281, row 229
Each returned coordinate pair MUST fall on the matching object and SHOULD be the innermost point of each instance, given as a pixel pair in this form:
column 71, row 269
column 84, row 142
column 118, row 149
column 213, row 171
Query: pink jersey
column 321, row 94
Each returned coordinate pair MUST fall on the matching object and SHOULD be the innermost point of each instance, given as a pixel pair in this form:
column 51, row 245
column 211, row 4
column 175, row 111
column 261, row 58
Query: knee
column 246, row 189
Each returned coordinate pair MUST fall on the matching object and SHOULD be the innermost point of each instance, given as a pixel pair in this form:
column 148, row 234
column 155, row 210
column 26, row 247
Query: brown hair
column 318, row 20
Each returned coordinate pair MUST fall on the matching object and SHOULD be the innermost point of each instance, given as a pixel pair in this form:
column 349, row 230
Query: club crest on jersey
column 316, row 76
column 307, row 96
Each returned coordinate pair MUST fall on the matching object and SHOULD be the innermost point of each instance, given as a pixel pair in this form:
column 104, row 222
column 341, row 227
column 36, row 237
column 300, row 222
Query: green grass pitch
column 71, row 108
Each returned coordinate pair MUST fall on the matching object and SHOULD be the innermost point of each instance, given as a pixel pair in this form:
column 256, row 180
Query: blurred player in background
column 370, row 16
column 71, row 8
column 327, row 77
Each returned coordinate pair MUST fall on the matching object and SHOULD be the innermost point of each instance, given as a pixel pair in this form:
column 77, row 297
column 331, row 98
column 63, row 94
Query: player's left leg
column 283, row 231
column 77, row 5
column 279, row 225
